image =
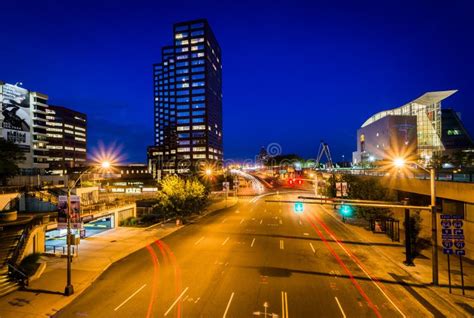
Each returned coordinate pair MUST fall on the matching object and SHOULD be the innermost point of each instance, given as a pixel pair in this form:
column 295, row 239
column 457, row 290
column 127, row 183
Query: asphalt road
column 233, row 263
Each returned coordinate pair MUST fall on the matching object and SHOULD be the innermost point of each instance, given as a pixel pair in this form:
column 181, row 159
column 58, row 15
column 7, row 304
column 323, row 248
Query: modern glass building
column 187, row 101
column 427, row 111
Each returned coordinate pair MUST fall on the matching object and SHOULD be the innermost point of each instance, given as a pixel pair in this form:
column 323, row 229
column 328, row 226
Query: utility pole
column 69, row 289
column 434, row 227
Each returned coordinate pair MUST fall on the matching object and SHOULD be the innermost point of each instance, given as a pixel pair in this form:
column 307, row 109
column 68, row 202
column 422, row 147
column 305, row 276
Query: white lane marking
column 286, row 305
column 228, row 305
column 312, row 247
column 225, row 241
column 253, row 241
column 199, row 241
column 261, row 221
column 340, row 307
column 283, row 304
column 281, row 222
column 177, row 299
column 282, row 245
column 367, row 274
column 241, row 221
column 305, row 234
column 130, row 297
column 224, row 220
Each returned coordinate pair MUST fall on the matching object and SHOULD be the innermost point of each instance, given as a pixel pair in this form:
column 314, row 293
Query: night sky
column 294, row 72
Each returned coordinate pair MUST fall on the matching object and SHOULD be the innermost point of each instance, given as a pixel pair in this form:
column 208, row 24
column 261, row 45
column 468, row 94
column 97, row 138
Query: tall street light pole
column 400, row 163
column 69, row 289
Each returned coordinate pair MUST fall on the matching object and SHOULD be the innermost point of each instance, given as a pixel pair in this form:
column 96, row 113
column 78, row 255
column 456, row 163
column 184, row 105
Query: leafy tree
column 362, row 188
column 181, row 196
column 10, row 156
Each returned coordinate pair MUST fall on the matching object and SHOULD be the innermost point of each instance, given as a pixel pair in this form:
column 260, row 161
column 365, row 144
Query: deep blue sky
column 294, row 72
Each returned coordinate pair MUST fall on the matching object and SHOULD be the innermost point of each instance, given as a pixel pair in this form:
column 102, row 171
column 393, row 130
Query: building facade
column 52, row 138
column 454, row 135
column 425, row 111
column 187, row 101
column 391, row 136
column 67, row 139
column 23, row 121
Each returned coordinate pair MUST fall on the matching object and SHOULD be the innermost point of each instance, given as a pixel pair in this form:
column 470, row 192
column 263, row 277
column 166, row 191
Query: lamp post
column 69, row 289
column 400, row 163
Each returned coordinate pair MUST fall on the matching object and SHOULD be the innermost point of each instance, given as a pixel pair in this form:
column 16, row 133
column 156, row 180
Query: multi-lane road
column 254, row 257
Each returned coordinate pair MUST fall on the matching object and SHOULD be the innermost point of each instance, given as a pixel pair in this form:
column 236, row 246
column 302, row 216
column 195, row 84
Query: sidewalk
column 421, row 274
column 44, row 297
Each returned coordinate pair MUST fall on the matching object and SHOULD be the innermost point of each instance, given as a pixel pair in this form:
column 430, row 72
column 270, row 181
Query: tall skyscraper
column 187, row 101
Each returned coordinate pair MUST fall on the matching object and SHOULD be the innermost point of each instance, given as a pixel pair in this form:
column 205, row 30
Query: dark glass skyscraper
column 187, row 101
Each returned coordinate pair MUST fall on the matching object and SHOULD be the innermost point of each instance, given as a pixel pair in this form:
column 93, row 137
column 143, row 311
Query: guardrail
column 465, row 177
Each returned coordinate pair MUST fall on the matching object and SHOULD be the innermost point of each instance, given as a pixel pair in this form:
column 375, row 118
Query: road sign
column 452, row 234
column 446, row 224
column 447, row 243
column 448, row 251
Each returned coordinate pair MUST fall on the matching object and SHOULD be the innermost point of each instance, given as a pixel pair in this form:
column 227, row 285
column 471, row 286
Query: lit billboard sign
column 16, row 116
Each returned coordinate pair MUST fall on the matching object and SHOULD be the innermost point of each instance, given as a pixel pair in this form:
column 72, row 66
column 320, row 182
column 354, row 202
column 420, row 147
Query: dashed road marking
column 225, row 241
column 312, row 247
column 199, row 241
column 228, row 305
column 340, row 307
column 253, row 242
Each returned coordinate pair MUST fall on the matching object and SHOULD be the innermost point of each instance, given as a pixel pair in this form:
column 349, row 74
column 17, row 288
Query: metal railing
column 447, row 176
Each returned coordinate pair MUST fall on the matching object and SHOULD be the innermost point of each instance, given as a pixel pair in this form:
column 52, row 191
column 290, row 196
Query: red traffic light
column 300, row 181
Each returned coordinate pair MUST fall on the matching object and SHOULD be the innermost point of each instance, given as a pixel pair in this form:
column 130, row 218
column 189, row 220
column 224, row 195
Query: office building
column 67, row 139
column 23, row 121
column 414, row 128
column 187, row 101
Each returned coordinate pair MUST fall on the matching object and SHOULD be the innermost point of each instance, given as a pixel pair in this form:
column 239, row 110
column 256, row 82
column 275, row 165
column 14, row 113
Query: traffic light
column 346, row 210
column 299, row 207
column 291, row 181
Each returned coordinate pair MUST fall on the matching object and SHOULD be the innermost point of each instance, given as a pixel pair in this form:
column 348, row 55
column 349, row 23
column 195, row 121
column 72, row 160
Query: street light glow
column 208, row 172
column 399, row 162
column 105, row 164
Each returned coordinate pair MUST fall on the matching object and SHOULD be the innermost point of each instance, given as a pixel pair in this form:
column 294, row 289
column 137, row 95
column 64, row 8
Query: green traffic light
column 299, row 208
column 346, row 210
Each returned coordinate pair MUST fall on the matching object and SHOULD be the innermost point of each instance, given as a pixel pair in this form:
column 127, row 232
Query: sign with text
column 75, row 211
column 452, row 234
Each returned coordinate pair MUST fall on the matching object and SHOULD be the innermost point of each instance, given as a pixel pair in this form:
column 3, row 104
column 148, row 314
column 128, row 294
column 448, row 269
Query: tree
column 181, row 196
column 10, row 156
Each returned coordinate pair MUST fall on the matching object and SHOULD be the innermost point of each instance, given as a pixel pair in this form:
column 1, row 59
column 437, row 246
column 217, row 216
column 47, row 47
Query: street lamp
column 69, row 289
column 400, row 163
column 208, row 172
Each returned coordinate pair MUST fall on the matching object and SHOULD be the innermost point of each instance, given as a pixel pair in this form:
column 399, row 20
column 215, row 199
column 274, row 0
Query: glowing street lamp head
column 105, row 164
column 399, row 162
column 208, row 172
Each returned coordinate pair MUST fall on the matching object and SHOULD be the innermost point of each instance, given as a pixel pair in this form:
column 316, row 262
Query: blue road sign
column 446, row 231
column 460, row 252
column 457, row 224
column 448, row 251
column 459, row 244
column 447, row 243
column 458, row 231
column 446, row 224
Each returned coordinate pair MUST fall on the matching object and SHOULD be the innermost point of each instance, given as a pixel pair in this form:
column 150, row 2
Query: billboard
column 16, row 115
column 75, row 212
